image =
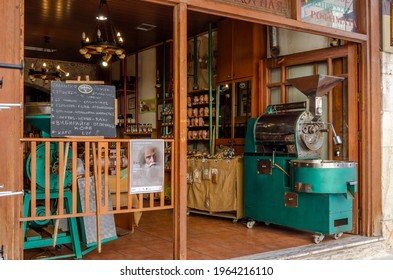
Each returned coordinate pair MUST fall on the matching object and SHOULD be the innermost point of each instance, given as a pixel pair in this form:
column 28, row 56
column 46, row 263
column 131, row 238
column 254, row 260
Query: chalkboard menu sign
column 82, row 110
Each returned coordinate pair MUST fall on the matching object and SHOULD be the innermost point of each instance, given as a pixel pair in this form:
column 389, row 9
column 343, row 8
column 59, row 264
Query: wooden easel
column 87, row 81
column 96, row 187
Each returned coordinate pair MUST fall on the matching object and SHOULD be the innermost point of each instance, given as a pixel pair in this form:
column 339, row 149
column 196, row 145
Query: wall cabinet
column 234, row 102
column 240, row 45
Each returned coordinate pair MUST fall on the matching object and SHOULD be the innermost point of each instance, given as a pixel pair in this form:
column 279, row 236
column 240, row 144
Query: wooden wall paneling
column 224, row 50
column 353, row 128
column 260, row 51
column 370, row 123
column 243, row 49
column 11, row 92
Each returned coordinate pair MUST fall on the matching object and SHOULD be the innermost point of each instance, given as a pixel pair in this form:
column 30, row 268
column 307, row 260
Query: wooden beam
column 371, row 127
column 11, row 157
column 180, row 129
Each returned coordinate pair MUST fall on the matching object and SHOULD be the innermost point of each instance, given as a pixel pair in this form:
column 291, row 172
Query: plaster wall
column 146, row 85
column 294, row 42
column 387, row 145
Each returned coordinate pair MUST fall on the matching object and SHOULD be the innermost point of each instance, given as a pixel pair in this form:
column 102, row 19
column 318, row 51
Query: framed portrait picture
column 131, row 101
column 131, row 104
column 148, row 105
column 146, row 171
column 159, row 110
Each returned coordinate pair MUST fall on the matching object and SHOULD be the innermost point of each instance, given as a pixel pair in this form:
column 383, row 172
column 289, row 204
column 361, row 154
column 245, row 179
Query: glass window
column 338, row 14
column 225, row 111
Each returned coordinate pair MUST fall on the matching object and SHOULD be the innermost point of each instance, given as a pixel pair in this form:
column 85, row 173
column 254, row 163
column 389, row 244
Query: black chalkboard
column 82, row 110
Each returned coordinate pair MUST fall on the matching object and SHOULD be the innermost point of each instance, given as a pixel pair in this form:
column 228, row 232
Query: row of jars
column 195, row 121
column 198, row 134
column 198, row 99
column 139, row 128
column 200, row 112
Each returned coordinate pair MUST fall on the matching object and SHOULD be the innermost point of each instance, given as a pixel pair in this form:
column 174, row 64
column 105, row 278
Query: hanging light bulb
column 105, row 60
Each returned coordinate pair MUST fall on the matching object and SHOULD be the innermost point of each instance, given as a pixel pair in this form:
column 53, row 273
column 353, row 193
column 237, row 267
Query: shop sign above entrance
column 339, row 14
column 277, row 7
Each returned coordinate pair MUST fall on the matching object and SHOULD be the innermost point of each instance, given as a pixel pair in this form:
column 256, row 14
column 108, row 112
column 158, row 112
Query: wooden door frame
column 11, row 92
column 369, row 119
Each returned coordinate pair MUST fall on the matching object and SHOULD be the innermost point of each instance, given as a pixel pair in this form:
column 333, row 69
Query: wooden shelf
column 199, row 91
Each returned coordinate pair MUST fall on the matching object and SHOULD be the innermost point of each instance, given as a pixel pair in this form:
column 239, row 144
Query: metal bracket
column 10, row 193
column 264, row 166
column 2, row 253
column 20, row 66
column 9, row 105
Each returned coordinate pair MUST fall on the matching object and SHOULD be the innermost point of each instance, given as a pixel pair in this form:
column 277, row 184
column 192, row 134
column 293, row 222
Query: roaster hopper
column 286, row 182
column 38, row 115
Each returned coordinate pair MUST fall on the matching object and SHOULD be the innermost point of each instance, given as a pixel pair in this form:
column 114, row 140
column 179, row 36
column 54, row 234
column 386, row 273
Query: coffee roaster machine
column 44, row 233
column 286, row 182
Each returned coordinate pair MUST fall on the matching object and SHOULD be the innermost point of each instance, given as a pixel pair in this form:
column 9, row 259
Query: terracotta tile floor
column 208, row 238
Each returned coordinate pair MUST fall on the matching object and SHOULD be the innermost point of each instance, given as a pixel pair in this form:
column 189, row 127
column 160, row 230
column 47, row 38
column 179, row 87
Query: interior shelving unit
column 201, row 115
column 167, row 116
column 127, row 93
column 201, row 111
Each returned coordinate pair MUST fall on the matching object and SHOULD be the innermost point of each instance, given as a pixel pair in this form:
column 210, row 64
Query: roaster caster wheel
column 267, row 223
column 234, row 221
column 318, row 238
column 337, row 235
column 250, row 224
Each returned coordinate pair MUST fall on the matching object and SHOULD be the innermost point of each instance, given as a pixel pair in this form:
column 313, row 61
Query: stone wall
column 387, row 145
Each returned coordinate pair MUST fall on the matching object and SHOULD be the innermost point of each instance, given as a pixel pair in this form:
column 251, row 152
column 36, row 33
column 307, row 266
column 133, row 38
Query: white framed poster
column 146, row 170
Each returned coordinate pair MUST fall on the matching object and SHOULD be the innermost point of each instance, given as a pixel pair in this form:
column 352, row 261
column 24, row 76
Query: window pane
column 275, row 75
column 275, row 96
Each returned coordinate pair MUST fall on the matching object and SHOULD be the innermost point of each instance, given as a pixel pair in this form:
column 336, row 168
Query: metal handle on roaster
column 336, row 138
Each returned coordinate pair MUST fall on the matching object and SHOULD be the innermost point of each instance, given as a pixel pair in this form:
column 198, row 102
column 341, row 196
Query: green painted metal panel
column 265, row 199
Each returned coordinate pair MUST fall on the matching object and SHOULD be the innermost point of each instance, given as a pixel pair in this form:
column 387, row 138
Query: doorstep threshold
column 325, row 247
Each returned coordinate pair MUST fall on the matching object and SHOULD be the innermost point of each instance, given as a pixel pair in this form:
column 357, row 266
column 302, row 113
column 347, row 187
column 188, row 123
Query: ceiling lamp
column 107, row 42
column 44, row 69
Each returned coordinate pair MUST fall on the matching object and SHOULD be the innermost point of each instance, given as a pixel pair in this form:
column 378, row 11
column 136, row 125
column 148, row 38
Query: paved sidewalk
column 348, row 248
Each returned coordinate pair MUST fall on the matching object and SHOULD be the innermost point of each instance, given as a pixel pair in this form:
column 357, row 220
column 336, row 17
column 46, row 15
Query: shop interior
column 230, row 65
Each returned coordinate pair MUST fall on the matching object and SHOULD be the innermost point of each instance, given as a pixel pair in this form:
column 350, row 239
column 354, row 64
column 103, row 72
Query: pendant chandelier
column 104, row 41
column 45, row 69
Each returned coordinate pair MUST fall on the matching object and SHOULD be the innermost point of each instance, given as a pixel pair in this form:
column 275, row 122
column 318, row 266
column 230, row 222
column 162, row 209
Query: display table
column 215, row 187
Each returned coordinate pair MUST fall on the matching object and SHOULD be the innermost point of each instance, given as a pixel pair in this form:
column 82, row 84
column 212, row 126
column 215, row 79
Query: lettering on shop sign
column 82, row 110
column 277, row 7
column 339, row 14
